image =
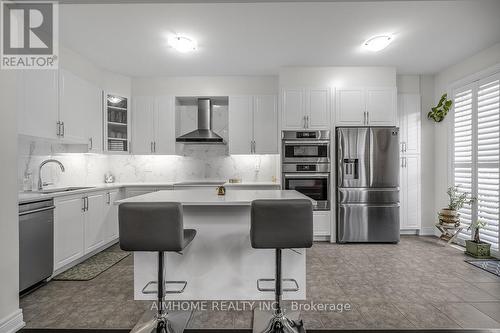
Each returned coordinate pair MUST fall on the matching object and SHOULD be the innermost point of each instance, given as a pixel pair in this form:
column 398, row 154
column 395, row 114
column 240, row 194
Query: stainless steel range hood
column 204, row 133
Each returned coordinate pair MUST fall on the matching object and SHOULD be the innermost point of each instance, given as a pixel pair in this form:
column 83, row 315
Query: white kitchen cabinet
column 410, row 185
column 321, row 224
column 153, row 125
column 409, row 123
column 253, row 124
column 95, row 227
column 80, row 111
column 142, row 124
column 293, row 108
column 38, row 112
column 350, row 107
column 164, row 120
column 381, row 109
column 69, row 224
column 110, row 216
column 74, row 107
column 366, row 106
column 304, row 108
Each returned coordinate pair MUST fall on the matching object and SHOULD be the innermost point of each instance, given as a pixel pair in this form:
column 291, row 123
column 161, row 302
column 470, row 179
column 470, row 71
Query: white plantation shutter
column 476, row 154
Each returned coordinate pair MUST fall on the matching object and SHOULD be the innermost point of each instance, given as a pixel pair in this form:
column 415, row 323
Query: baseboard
column 13, row 322
column 409, row 232
column 427, row 231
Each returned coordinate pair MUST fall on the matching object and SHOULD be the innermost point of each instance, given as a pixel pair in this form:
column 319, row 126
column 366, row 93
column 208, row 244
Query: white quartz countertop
column 24, row 197
column 209, row 197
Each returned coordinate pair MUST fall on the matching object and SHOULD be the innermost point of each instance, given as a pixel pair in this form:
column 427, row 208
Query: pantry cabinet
column 366, row 106
column 409, row 123
column 305, row 108
column 38, row 111
column 409, row 119
column 410, row 185
column 253, row 124
column 153, row 125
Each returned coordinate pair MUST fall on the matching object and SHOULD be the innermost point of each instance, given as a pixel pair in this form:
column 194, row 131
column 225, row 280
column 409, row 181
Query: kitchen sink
column 64, row 189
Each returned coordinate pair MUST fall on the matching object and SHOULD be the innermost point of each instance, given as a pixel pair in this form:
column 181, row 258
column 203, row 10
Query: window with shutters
column 476, row 154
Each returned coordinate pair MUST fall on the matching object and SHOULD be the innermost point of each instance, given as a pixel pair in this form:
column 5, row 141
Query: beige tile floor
column 415, row 284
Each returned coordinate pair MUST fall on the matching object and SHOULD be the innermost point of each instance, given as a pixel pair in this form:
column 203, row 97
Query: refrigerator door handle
column 397, row 204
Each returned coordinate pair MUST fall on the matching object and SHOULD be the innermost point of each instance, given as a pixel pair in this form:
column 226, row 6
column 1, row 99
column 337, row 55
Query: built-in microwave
column 306, row 147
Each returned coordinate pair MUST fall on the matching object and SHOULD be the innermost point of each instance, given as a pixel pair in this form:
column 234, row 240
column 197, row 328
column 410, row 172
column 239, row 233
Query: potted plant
column 449, row 215
column 475, row 247
column 440, row 111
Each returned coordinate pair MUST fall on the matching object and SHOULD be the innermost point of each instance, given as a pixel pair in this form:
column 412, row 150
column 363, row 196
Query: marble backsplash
column 195, row 162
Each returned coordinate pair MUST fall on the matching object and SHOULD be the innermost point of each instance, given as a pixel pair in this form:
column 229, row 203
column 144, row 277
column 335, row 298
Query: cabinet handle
column 251, row 146
column 154, row 147
column 254, row 146
column 403, row 162
column 109, row 198
column 307, row 121
column 405, row 147
column 62, row 131
column 367, row 118
column 402, row 147
column 130, row 147
column 304, row 119
column 91, row 142
column 151, row 147
column 58, row 128
column 86, row 203
column 83, row 202
column 364, row 117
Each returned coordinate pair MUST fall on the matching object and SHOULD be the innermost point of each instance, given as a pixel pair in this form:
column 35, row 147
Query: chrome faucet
column 40, row 182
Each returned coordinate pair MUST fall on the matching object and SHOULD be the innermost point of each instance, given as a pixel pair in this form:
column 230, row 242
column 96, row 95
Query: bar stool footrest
column 148, row 290
column 293, row 289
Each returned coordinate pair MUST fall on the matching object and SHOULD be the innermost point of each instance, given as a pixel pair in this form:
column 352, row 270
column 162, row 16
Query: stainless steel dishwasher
column 36, row 242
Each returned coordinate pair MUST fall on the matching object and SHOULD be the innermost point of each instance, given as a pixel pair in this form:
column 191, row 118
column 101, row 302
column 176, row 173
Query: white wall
column 337, row 76
column 481, row 61
column 205, row 85
column 81, row 66
column 10, row 315
column 424, row 85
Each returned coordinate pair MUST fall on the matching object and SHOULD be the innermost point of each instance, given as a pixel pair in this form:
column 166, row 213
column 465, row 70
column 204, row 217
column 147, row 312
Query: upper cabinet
column 117, row 129
column 38, row 113
column 365, row 106
column 153, row 125
column 253, row 124
column 304, row 108
column 409, row 123
column 60, row 105
column 80, row 112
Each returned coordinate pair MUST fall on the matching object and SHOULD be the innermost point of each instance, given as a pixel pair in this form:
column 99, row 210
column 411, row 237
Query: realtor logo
column 29, row 35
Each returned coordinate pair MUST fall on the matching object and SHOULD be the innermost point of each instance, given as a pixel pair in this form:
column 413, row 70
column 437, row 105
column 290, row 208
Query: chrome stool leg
column 275, row 321
column 162, row 321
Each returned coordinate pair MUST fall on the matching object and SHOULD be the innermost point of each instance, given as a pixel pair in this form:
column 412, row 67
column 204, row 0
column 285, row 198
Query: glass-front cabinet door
column 117, row 123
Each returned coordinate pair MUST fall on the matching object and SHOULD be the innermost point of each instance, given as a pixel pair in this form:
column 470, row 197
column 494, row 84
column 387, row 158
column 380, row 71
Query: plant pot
column 449, row 217
column 479, row 250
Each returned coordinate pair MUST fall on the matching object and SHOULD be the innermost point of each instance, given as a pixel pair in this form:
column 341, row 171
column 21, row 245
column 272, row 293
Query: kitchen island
column 220, row 263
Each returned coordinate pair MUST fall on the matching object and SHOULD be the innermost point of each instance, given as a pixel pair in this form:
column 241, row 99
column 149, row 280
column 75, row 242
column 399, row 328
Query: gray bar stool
column 156, row 227
column 279, row 224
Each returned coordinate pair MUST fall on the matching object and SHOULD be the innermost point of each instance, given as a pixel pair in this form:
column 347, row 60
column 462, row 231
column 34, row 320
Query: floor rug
column 92, row 267
column 489, row 265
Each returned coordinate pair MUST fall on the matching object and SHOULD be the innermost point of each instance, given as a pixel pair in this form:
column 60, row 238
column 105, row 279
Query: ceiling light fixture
column 182, row 44
column 377, row 43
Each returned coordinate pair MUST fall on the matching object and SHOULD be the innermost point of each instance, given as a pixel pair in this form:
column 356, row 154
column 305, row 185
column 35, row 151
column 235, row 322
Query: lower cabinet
column 321, row 224
column 94, row 221
column 69, row 224
column 410, row 192
column 82, row 224
column 111, row 216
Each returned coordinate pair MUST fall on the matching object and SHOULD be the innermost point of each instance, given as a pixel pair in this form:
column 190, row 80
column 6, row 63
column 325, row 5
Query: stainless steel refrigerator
column 367, row 184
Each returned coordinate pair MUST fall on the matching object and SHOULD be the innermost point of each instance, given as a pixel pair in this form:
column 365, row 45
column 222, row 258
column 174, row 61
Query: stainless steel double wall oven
column 306, row 165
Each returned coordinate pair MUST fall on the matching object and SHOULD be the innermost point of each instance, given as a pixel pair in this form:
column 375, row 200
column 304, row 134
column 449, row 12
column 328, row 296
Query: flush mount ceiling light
column 377, row 43
column 182, row 44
